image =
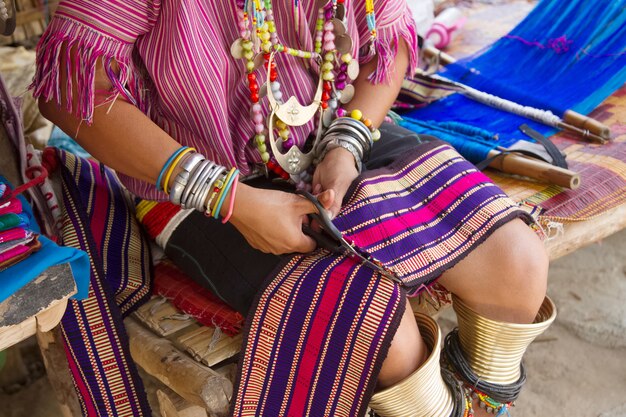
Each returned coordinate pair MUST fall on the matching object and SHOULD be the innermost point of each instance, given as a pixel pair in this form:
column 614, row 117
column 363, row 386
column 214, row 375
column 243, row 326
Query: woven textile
column 170, row 282
column 322, row 327
column 99, row 222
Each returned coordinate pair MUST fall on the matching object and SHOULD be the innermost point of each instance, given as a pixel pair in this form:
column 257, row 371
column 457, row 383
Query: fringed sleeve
column 105, row 30
column 394, row 21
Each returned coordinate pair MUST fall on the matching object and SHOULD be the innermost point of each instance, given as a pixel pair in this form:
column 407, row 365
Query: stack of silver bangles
column 347, row 133
column 192, row 185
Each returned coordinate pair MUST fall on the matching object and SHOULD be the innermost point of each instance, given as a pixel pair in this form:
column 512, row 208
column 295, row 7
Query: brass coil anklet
column 494, row 349
column 423, row 393
column 487, row 355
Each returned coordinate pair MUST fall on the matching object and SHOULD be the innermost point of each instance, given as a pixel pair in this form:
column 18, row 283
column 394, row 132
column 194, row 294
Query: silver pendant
column 344, row 44
column 292, row 112
column 353, row 69
column 347, row 94
column 293, row 161
column 327, row 117
column 341, row 11
column 236, row 49
column 339, row 28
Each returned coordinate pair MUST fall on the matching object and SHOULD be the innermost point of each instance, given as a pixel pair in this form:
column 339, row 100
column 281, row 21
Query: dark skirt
column 218, row 257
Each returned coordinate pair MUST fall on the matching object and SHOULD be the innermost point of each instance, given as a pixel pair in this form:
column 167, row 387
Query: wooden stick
column 434, row 53
column 533, row 168
column 194, row 382
column 587, row 123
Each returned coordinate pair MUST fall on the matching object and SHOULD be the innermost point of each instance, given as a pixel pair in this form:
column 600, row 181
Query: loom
column 565, row 56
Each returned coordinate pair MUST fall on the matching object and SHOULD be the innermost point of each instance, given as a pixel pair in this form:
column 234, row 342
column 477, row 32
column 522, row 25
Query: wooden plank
column 162, row 317
column 577, row 235
column 210, row 347
column 173, row 405
column 57, row 369
column 40, row 304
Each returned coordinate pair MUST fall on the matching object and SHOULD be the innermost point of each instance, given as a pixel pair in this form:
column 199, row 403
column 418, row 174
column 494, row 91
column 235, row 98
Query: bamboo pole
column 533, row 168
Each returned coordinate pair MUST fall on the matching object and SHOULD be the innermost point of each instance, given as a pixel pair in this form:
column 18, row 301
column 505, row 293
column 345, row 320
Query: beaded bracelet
column 358, row 115
column 220, row 199
column 217, row 187
column 167, row 164
column 170, row 170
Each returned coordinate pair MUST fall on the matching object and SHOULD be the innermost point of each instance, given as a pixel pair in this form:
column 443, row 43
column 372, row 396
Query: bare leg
column 406, row 353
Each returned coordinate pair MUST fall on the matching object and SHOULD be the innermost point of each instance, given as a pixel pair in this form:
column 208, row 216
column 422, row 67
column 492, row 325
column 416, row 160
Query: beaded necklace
column 332, row 47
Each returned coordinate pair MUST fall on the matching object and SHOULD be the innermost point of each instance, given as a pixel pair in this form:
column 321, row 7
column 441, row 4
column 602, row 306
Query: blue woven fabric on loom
column 564, row 55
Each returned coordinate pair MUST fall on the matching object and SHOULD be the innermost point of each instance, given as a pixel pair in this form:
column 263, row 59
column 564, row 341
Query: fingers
column 327, row 198
column 306, row 244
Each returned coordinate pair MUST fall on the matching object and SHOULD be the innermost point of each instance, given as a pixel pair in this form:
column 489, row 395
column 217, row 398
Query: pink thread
column 232, row 200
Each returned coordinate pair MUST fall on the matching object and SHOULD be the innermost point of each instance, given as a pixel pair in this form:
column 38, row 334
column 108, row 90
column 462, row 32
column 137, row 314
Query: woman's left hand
column 336, row 172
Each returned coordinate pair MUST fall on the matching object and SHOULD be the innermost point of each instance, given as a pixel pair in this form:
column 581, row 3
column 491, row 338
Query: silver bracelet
column 354, row 128
column 350, row 148
column 180, row 182
column 199, row 184
column 193, row 178
column 341, row 141
column 203, row 192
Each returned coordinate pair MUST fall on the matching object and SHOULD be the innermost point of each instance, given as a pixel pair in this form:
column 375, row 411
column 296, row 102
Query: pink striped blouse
column 175, row 64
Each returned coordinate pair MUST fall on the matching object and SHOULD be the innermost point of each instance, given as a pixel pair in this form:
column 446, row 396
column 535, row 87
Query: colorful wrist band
column 170, row 170
column 232, row 200
column 166, row 165
column 222, row 196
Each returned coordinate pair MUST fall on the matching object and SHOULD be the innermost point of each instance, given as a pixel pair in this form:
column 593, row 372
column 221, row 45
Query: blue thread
column 580, row 78
column 167, row 164
column 474, row 148
column 503, row 410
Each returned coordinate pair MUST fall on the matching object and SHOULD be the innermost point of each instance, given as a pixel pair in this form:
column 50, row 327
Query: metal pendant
column 344, row 44
column 293, row 161
column 339, row 28
column 341, row 11
column 347, row 94
column 292, row 112
column 258, row 61
column 353, row 69
column 236, row 49
column 327, row 117
column 263, row 90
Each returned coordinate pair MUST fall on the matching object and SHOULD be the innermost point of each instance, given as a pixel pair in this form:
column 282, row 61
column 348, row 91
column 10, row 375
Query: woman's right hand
column 271, row 221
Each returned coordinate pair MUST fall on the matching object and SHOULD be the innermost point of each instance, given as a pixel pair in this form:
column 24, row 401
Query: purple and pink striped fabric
column 98, row 221
column 175, row 64
column 322, row 327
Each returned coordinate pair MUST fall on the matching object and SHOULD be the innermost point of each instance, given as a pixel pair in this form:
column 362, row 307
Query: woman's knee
column 506, row 276
column 518, row 273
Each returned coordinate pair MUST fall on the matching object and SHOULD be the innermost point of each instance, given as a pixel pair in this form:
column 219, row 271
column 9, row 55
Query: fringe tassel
column 385, row 46
column 90, row 45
